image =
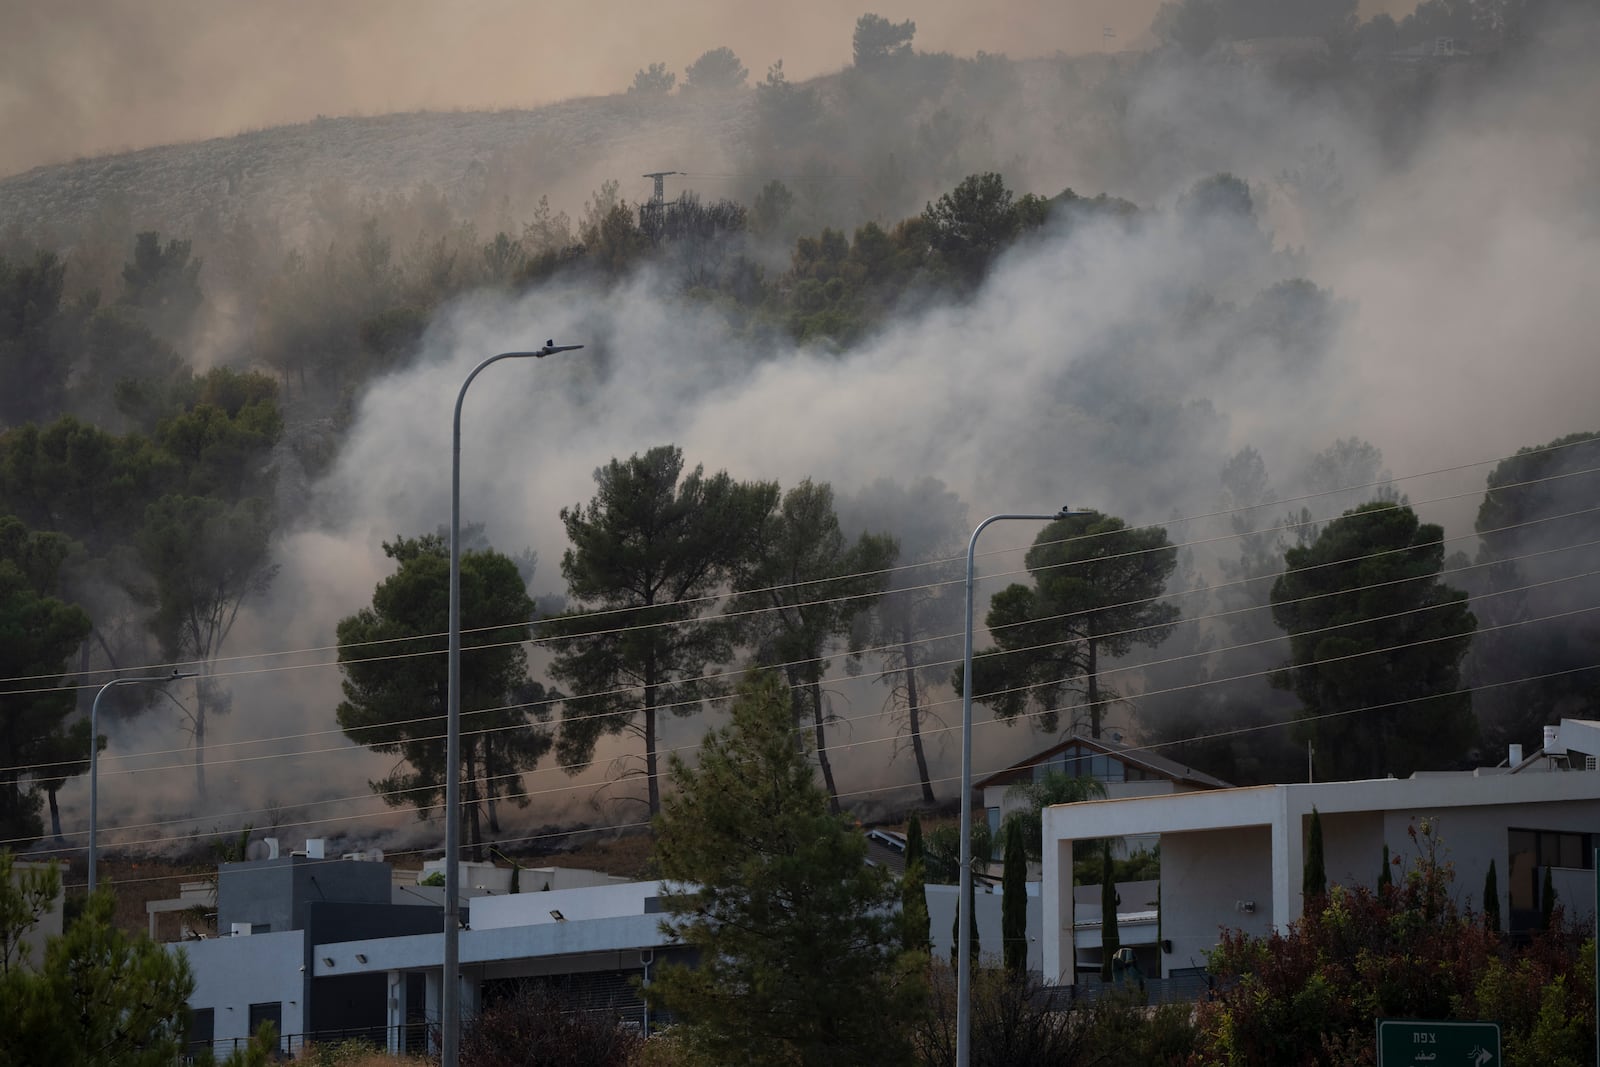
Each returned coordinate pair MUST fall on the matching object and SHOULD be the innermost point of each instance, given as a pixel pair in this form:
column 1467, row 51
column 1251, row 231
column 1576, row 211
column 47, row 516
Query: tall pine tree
column 800, row 958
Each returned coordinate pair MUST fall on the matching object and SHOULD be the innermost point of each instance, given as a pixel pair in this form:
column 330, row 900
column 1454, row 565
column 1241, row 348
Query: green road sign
column 1405, row 1042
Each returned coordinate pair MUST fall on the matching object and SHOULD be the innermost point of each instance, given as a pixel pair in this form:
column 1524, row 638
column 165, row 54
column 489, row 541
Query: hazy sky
column 86, row 77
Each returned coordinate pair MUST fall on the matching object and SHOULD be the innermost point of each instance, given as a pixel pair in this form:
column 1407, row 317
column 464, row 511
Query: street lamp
column 94, row 759
column 964, row 899
column 450, row 1008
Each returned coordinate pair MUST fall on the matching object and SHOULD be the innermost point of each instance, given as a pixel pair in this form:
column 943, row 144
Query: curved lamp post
column 450, row 1006
column 964, row 899
column 94, row 759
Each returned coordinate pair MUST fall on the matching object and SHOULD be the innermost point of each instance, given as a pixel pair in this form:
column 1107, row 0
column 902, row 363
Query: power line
column 716, row 598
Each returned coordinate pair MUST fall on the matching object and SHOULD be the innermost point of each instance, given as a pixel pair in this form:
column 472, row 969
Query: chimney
column 1515, row 755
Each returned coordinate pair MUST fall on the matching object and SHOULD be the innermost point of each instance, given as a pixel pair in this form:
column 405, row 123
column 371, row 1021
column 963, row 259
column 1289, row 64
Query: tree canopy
column 38, row 633
column 99, row 996
column 647, row 550
column 799, row 592
column 1096, row 584
column 877, row 38
column 716, row 71
column 800, row 949
column 396, row 678
column 1376, row 642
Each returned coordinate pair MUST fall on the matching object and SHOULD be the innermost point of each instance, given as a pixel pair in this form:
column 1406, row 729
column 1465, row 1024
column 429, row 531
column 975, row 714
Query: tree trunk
column 652, row 783
column 200, row 742
column 491, row 787
column 1094, row 686
column 822, row 746
column 912, row 714
column 55, row 817
column 474, row 830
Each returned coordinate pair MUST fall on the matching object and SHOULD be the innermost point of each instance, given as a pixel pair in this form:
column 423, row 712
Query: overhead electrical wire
column 1127, row 667
column 755, row 592
column 712, row 599
column 943, row 780
column 895, row 738
column 736, row 672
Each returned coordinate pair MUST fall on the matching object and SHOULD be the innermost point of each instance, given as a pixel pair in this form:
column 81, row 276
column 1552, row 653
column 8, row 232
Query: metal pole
column 450, row 1006
column 94, row 765
column 963, row 897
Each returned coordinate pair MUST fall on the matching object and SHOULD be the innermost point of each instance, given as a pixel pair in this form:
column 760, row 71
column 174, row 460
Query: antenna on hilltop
column 653, row 215
column 660, row 177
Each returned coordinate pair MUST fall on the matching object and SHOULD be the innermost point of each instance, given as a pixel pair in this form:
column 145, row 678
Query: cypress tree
column 1110, row 941
column 1491, row 900
column 1014, row 904
column 1547, row 901
column 955, row 927
column 1314, row 882
column 913, row 898
column 1385, row 876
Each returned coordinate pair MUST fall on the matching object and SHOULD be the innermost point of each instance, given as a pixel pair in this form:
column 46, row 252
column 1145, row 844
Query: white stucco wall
column 942, row 917
column 591, row 902
column 232, row 973
column 1216, row 845
column 1208, row 879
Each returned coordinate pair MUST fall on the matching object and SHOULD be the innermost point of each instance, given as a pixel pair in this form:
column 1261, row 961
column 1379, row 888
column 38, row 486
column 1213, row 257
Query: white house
column 1234, row 858
column 329, row 948
column 1122, row 770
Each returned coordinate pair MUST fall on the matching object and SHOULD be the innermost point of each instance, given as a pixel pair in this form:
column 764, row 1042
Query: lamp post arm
column 964, row 897
column 94, row 763
column 450, row 1003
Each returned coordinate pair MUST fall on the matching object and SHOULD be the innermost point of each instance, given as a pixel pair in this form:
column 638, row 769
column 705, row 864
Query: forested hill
column 276, row 174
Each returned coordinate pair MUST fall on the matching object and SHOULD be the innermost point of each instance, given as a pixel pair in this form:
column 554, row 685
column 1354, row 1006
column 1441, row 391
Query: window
column 271, row 1012
column 202, row 1026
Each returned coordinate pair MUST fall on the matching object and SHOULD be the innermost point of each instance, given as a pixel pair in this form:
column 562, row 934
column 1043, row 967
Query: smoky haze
column 89, row 77
column 1114, row 365
column 86, row 77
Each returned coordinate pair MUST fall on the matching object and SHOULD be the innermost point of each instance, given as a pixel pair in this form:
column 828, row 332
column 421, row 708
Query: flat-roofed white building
column 1234, row 858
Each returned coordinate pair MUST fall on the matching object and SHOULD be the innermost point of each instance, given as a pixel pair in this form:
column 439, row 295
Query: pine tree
column 796, row 934
column 646, row 552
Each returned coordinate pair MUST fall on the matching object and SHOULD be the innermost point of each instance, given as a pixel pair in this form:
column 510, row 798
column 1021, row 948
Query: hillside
column 276, row 173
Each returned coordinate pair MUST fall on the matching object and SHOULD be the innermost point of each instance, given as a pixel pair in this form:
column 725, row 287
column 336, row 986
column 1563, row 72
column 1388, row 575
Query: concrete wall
column 991, row 946
column 1204, row 878
column 274, row 892
column 232, row 973
column 575, row 905
column 1224, row 847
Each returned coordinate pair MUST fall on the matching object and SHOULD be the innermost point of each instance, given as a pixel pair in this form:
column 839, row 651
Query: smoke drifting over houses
column 1425, row 285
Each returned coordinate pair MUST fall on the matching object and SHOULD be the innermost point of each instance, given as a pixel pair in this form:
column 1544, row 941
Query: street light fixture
column 964, row 899
column 94, row 759
column 450, row 1007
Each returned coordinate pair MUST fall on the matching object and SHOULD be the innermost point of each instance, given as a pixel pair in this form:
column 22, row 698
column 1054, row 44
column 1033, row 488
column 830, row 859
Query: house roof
column 887, row 848
column 1142, row 758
